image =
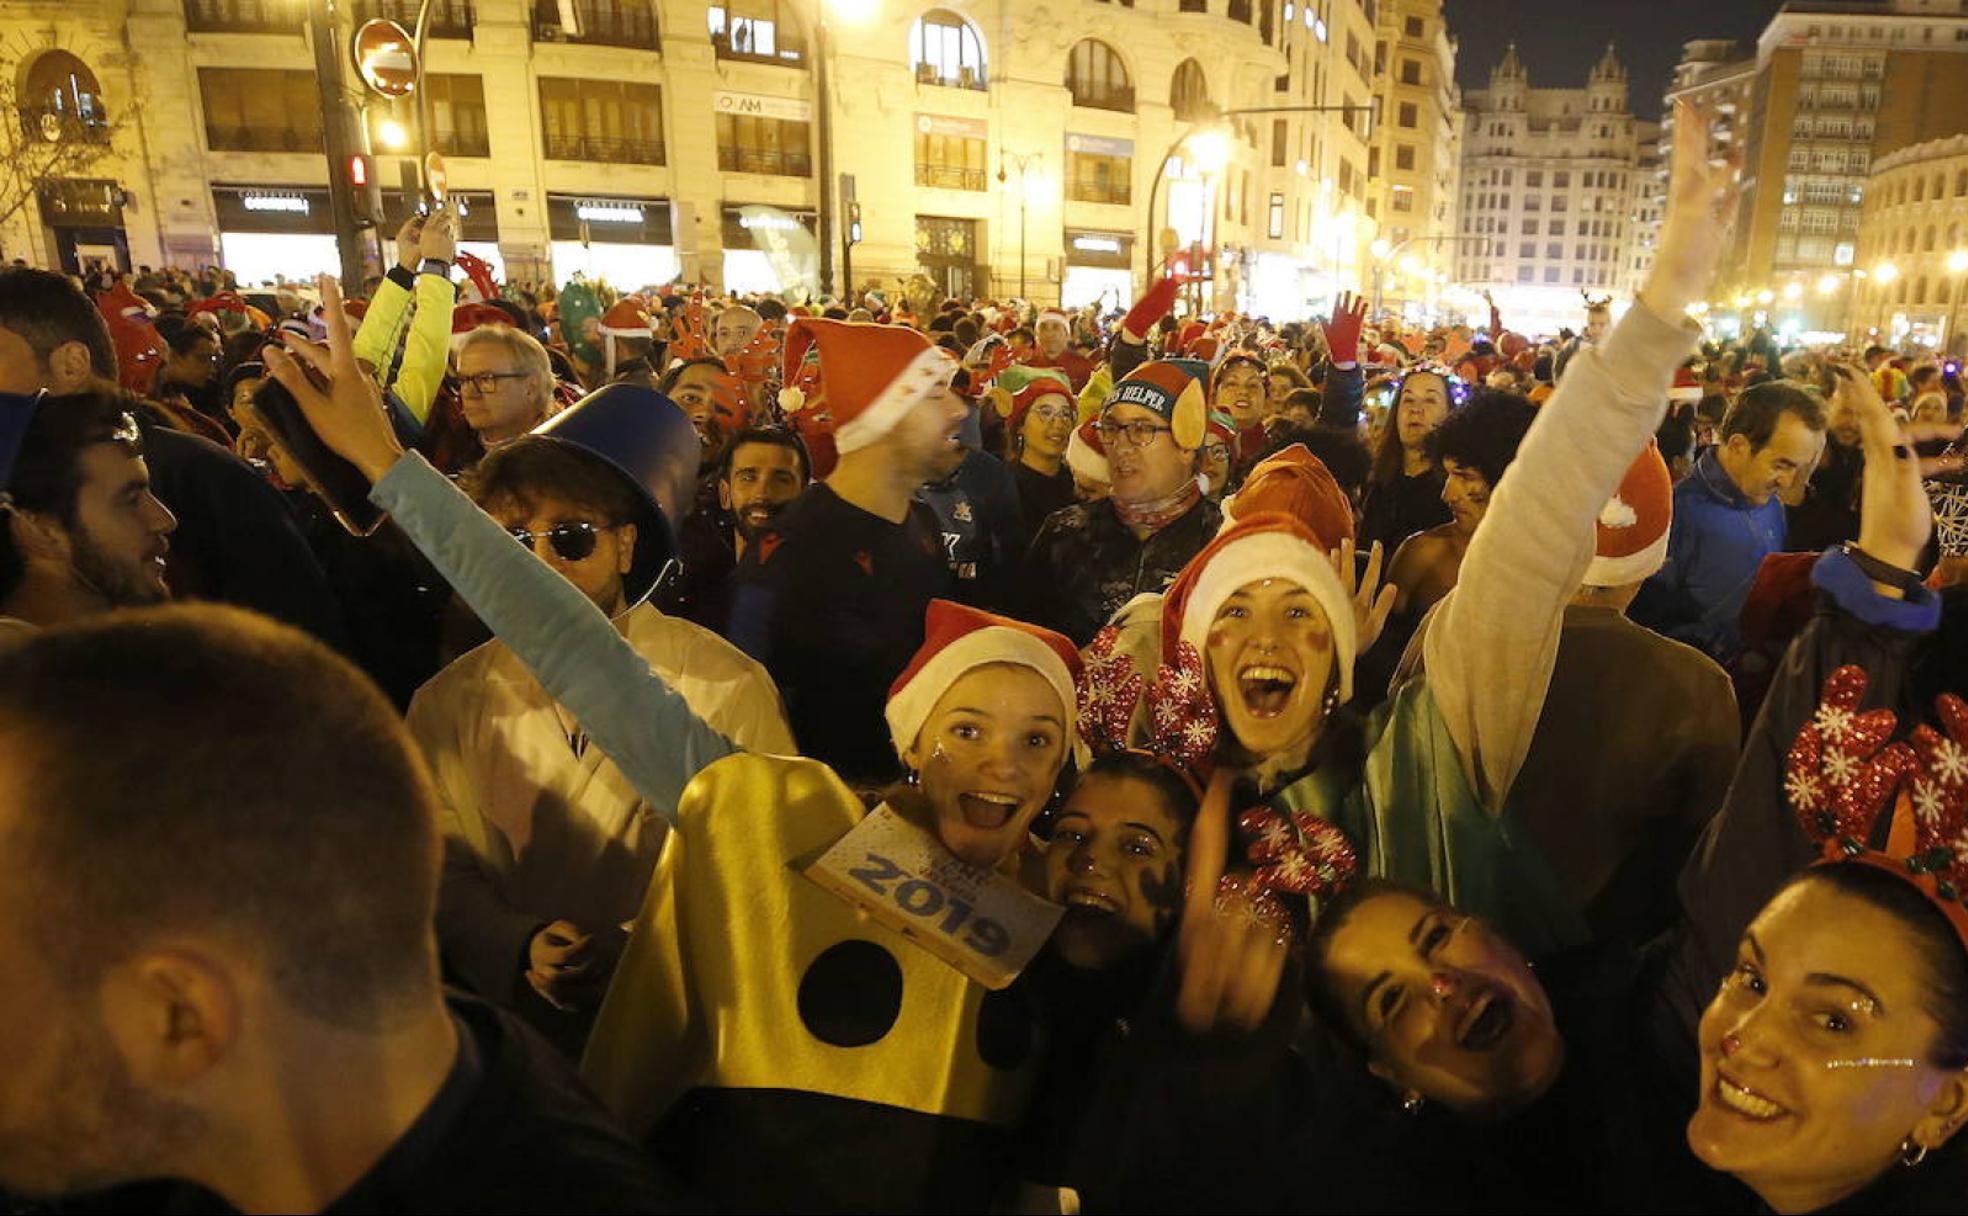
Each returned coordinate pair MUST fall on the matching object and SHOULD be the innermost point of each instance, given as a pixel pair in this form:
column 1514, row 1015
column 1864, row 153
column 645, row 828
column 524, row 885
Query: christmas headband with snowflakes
column 1458, row 387
column 1174, row 720
column 1842, row 771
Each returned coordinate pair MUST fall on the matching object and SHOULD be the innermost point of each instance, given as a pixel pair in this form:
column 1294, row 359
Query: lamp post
column 1023, row 163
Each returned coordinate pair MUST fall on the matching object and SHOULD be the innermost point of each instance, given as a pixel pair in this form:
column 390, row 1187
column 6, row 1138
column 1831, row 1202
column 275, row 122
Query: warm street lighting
column 1957, row 261
column 1765, row 296
column 1886, row 272
column 853, row 12
column 1380, row 249
column 1828, row 284
column 1210, row 149
column 392, row 134
column 1793, row 291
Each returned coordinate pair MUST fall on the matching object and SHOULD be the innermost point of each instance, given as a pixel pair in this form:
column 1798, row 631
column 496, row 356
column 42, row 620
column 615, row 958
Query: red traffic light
column 358, row 171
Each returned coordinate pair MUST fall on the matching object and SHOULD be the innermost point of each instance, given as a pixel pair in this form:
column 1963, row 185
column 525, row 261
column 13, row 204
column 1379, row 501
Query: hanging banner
column 955, row 128
column 1100, row 145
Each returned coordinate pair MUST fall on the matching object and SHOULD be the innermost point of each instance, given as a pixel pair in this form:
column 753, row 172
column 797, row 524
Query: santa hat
column 1053, row 314
column 1258, row 547
column 1687, row 386
column 467, row 317
column 626, row 318
column 1169, row 388
column 874, row 374
column 1086, row 456
column 1017, row 389
column 1633, row 525
column 958, row 639
column 1294, row 482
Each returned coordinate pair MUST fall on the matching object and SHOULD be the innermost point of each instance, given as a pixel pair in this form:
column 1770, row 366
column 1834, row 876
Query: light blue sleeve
column 643, row 725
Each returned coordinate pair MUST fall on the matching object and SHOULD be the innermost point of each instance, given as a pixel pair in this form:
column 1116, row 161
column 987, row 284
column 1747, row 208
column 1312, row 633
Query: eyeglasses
column 1139, row 434
column 572, row 541
column 1053, row 413
column 487, row 383
column 1217, row 451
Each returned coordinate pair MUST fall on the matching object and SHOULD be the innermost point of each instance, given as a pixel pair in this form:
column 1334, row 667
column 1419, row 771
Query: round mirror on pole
column 385, row 58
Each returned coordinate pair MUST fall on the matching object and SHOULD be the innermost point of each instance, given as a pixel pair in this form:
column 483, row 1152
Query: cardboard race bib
column 979, row 921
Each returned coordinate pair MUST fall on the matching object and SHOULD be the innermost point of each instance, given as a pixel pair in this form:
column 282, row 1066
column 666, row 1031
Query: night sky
column 1560, row 40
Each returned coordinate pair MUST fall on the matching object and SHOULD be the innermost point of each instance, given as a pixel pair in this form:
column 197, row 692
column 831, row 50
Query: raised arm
column 569, row 645
column 427, row 348
column 1491, row 649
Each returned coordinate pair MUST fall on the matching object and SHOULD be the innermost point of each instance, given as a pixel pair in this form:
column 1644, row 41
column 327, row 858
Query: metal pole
column 830, row 233
column 1021, row 231
column 337, row 134
column 420, row 100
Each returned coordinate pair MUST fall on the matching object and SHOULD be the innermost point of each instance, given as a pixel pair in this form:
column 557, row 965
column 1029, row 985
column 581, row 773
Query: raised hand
column 1233, row 940
column 341, row 401
column 1342, row 330
column 1701, row 209
column 440, row 238
column 1895, row 515
column 409, row 250
column 1372, row 603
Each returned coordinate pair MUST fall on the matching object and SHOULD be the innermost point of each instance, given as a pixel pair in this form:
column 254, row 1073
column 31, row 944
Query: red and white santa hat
column 625, row 318
column 1258, row 547
column 1633, row 525
column 958, row 639
column 874, row 374
column 467, row 317
column 1296, row 483
column 1687, row 386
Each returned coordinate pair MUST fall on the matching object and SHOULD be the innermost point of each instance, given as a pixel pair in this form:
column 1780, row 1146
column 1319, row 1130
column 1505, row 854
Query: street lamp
column 1023, row 163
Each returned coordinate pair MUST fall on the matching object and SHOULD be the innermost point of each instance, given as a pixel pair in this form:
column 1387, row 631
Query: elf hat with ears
column 1017, row 389
column 1167, row 388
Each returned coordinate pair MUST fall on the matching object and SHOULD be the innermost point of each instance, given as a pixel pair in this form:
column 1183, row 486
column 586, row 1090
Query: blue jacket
column 1714, row 550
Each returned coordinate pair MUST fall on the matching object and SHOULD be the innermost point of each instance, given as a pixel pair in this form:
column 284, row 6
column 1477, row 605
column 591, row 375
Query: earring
column 1912, row 1152
column 914, row 779
column 1331, row 702
column 1413, row 1103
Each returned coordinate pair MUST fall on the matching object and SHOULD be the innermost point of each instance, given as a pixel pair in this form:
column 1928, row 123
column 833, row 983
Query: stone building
column 990, row 146
column 1416, row 156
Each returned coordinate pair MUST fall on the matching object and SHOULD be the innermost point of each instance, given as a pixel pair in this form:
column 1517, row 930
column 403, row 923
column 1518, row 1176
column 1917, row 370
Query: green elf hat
column 1172, row 388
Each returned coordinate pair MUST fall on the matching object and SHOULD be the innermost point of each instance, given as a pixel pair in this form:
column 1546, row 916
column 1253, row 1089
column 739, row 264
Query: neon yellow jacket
column 425, row 338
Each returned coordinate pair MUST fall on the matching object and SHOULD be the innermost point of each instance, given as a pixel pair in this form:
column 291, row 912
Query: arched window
column 944, row 49
column 1098, row 79
column 1920, row 290
column 762, row 31
column 60, row 98
column 1189, row 92
column 1239, row 10
column 1927, row 240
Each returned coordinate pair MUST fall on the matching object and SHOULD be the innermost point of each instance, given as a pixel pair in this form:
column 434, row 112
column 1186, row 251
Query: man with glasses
column 548, row 850
column 1089, row 560
column 505, row 383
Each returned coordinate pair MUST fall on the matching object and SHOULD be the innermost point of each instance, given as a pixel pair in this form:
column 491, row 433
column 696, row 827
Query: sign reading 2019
column 979, row 921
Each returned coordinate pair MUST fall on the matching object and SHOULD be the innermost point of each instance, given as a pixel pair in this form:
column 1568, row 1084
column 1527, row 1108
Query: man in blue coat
column 1729, row 516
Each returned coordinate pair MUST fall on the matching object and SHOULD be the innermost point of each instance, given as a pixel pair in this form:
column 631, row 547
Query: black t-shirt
column 831, row 599
column 511, row 1130
column 1038, row 497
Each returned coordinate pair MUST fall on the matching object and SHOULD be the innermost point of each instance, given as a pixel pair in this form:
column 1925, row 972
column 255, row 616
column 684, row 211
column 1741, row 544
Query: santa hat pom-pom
column 1618, row 514
column 792, row 400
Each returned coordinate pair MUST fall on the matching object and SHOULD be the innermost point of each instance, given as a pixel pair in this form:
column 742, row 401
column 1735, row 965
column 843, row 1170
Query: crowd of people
column 466, row 747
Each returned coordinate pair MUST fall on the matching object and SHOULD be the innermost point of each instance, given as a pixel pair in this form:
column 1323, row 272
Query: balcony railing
column 954, row 78
column 949, row 177
column 262, row 139
column 754, row 160
column 631, row 25
column 448, row 18
column 244, row 16
column 463, row 143
column 47, row 124
column 603, row 149
column 1121, row 100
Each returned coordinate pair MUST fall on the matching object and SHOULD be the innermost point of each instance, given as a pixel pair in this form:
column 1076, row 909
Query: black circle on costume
column 851, row 995
column 1004, row 1029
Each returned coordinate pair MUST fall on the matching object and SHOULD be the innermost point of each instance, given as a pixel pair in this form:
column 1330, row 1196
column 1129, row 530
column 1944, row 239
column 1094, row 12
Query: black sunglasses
column 573, row 541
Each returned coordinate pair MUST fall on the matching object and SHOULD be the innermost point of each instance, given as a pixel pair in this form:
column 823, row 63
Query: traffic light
column 365, row 190
column 854, row 223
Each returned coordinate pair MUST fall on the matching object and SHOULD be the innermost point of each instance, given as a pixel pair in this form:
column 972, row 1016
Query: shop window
column 950, row 162
column 1097, row 78
column 608, row 121
column 751, row 144
column 260, row 110
column 1189, row 94
column 60, row 99
column 945, row 50
column 1094, row 178
column 759, row 31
